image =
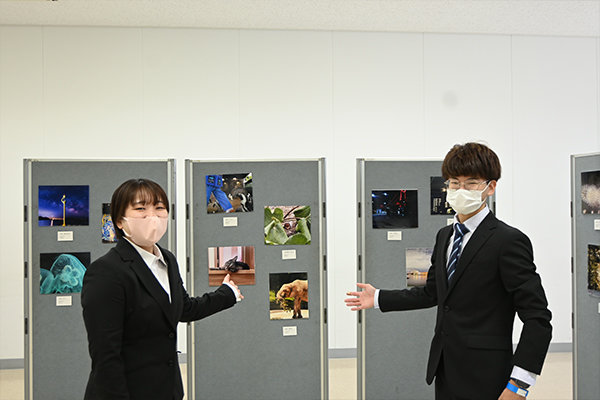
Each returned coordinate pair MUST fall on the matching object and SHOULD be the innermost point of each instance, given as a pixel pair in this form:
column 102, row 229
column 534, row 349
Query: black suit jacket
column 132, row 327
column 495, row 277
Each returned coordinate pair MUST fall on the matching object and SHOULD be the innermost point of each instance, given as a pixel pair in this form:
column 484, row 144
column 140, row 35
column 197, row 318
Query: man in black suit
column 481, row 273
column 133, row 298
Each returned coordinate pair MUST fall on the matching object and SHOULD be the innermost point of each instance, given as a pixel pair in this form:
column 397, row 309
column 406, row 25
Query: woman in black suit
column 133, row 298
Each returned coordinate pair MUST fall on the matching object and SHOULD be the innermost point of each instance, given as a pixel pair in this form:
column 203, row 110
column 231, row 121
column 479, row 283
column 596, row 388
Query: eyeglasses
column 469, row 184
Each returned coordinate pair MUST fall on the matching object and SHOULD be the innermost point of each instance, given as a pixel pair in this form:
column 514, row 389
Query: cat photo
column 237, row 261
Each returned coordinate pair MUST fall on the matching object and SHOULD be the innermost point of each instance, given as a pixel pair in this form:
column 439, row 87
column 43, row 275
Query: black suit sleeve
column 519, row 276
column 408, row 299
column 103, row 302
column 195, row 308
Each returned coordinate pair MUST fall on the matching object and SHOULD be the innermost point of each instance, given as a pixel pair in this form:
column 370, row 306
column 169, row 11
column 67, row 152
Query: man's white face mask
column 464, row 201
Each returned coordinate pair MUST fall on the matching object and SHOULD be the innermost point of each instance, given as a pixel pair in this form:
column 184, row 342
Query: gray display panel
column 241, row 353
column 393, row 347
column 57, row 362
column 585, row 207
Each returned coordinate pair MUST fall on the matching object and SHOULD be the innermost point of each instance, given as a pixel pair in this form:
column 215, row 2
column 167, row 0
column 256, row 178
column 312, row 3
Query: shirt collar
column 148, row 258
column 473, row 222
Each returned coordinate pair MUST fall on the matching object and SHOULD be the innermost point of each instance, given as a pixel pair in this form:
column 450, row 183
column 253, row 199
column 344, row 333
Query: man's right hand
column 363, row 299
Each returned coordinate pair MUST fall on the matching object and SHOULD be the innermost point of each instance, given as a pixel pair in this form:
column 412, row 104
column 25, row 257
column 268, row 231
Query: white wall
column 242, row 94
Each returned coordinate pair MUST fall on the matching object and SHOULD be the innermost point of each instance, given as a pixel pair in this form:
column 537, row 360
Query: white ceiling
column 528, row 17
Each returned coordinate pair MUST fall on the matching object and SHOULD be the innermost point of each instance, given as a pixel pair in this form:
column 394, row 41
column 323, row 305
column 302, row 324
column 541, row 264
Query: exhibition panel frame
column 67, row 225
column 263, row 223
column 585, row 224
column 401, row 207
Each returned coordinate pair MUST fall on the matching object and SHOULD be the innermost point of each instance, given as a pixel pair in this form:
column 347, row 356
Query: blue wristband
column 517, row 390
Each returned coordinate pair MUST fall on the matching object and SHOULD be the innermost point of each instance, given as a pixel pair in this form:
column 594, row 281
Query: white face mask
column 145, row 232
column 464, row 201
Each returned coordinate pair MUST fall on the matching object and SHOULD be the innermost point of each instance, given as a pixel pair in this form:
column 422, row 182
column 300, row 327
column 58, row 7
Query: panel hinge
column 572, row 321
column 360, row 316
column 25, row 269
column 324, row 210
column 324, row 262
column 173, row 211
column 26, row 326
column 325, row 315
column 571, row 206
column 572, row 265
column 359, row 262
column 187, row 211
column 187, row 264
column 25, row 213
column 359, row 209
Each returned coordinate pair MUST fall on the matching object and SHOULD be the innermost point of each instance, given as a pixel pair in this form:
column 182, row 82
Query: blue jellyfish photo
column 62, row 273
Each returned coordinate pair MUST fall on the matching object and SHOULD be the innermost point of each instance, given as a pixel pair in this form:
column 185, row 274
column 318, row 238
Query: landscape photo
column 63, row 205
column 418, row 261
column 393, row 209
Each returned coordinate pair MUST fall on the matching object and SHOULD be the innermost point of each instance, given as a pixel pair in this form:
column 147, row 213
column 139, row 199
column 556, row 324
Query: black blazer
column 495, row 277
column 132, row 327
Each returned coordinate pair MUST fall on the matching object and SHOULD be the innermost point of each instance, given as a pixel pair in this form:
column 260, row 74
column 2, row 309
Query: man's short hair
column 473, row 160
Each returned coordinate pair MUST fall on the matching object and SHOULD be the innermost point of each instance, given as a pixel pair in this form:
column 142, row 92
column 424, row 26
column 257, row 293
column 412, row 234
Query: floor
column 555, row 383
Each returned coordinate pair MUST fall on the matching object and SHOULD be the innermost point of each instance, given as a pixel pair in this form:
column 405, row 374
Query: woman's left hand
column 229, row 282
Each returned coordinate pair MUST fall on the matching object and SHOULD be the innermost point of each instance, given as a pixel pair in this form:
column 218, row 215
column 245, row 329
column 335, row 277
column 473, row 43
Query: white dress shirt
column 156, row 263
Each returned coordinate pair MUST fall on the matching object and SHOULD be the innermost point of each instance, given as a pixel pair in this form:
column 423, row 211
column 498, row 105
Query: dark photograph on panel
column 63, row 205
column 62, row 272
column 288, row 295
column 418, row 261
column 394, row 209
column 594, row 270
column 109, row 235
column 439, row 205
column 590, row 192
column 237, row 261
column 287, row 225
column 229, row 193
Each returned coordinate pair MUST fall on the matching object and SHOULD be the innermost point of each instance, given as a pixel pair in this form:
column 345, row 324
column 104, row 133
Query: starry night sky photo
column 77, row 205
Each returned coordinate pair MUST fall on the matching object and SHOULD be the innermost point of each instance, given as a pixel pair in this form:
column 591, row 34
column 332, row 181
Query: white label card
column 394, row 235
column 288, row 254
column 290, row 331
column 64, row 301
column 64, row 236
column 230, row 221
column 597, row 224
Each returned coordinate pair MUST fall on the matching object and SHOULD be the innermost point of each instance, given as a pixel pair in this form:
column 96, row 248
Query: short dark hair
column 148, row 191
column 471, row 159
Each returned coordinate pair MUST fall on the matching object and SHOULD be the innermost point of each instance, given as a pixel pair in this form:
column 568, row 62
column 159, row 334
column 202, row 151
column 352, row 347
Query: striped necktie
column 460, row 230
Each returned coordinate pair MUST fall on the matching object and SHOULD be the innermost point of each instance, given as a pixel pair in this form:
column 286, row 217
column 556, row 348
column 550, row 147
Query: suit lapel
column 442, row 255
column 481, row 235
column 146, row 277
column 173, row 272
